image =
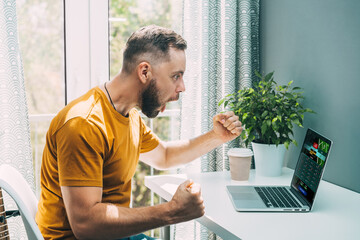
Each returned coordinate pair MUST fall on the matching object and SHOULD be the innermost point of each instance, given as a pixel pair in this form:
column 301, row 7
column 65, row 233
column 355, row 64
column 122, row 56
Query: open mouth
column 162, row 109
column 174, row 98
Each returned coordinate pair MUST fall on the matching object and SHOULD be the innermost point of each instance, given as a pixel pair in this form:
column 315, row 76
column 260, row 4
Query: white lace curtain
column 15, row 147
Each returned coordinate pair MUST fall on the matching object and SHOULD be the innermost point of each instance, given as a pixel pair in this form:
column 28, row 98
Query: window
column 41, row 38
column 42, row 46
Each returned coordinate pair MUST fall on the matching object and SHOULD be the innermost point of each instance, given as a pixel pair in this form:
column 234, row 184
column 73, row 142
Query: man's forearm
column 97, row 220
column 185, row 151
column 107, row 221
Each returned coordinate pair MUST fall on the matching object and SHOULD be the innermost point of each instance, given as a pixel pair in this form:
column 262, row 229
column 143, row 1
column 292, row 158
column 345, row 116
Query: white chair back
column 16, row 186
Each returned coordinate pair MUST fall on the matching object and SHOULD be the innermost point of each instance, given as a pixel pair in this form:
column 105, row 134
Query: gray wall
column 316, row 43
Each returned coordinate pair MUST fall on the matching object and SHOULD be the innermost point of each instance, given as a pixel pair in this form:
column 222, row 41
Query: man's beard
column 150, row 103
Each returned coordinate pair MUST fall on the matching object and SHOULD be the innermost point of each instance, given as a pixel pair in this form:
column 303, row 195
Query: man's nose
column 180, row 87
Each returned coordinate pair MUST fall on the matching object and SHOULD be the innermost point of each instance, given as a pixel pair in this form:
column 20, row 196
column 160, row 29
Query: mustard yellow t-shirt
column 89, row 144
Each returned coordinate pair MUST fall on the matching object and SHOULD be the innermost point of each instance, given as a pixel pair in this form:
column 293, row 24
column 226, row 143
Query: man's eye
column 176, row 77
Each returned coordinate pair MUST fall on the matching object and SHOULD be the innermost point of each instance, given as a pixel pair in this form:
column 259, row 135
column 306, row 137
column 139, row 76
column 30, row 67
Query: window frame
column 86, row 31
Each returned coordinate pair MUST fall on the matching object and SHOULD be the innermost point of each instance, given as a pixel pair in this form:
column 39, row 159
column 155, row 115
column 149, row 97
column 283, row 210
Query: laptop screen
column 310, row 165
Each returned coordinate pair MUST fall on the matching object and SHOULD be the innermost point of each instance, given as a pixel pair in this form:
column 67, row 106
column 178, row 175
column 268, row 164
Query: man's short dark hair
column 152, row 44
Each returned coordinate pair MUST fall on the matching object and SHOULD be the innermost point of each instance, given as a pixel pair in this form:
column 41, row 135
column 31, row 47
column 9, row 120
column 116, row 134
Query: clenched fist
column 187, row 202
column 227, row 126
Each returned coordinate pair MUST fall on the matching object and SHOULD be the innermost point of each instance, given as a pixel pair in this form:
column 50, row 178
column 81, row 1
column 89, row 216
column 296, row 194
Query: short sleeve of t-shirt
column 80, row 149
column 149, row 139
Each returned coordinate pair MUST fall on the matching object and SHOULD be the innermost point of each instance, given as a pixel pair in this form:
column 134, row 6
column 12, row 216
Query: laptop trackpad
column 245, row 198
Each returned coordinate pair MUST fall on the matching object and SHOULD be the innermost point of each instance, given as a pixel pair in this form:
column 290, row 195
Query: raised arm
column 226, row 127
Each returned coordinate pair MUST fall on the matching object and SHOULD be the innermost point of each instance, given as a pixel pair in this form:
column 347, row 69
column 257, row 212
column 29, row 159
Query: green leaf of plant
column 245, row 115
column 268, row 122
column 243, row 135
column 221, row 102
column 286, row 144
column 268, row 76
column 264, row 114
column 264, row 127
column 309, row 110
column 288, row 95
column 257, row 74
column 293, row 115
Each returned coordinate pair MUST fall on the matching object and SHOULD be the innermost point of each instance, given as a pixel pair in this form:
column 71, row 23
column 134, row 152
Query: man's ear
column 144, row 72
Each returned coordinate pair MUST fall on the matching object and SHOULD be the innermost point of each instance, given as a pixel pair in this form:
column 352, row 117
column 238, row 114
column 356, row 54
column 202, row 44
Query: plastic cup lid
column 240, row 152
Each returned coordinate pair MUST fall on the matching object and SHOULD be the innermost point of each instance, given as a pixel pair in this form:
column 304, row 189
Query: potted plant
column 268, row 112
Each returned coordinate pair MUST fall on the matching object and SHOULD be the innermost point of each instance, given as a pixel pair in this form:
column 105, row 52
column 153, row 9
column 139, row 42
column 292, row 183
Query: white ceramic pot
column 269, row 159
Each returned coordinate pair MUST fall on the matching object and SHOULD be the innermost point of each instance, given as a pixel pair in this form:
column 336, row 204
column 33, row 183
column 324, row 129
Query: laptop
column 300, row 196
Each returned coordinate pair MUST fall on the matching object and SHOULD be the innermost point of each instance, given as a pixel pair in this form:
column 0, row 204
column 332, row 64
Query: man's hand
column 187, row 202
column 227, row 126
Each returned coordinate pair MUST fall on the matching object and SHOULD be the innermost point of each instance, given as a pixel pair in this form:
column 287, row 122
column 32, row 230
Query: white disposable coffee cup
column 240, row 162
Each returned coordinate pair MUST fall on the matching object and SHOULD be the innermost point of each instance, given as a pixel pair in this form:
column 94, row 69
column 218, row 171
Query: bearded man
column 94, row 144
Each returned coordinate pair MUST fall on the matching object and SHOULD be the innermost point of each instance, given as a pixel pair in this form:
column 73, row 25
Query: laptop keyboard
column 277, row 197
